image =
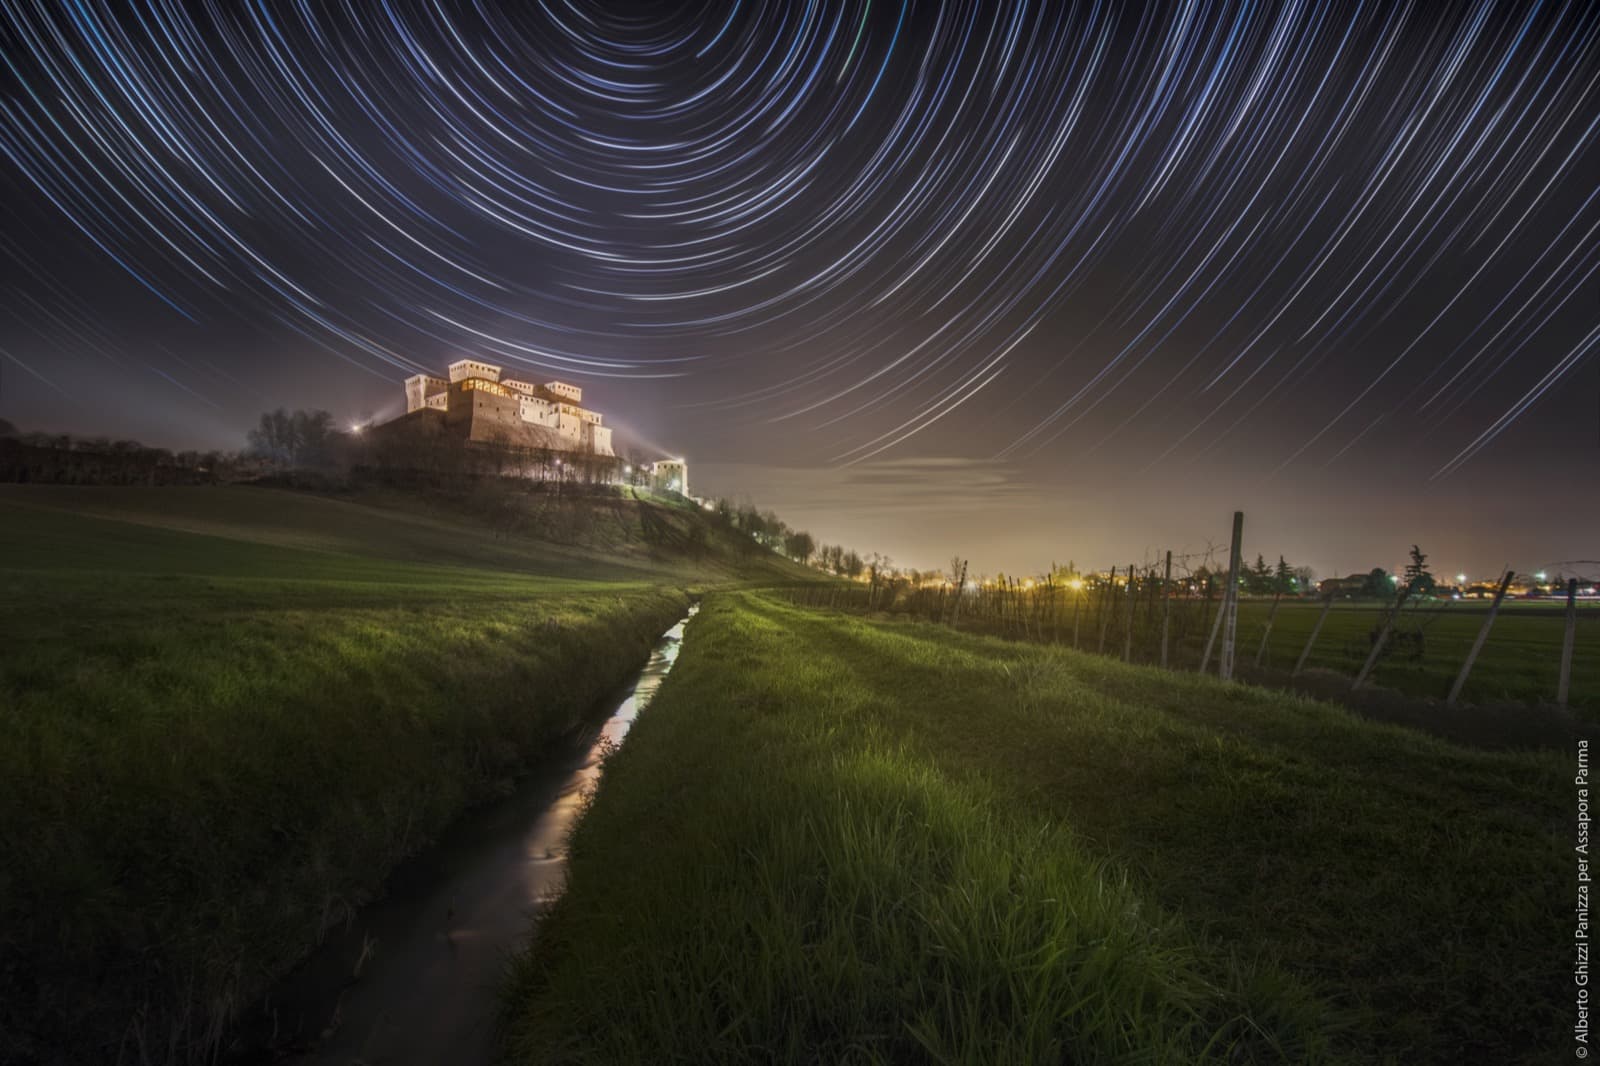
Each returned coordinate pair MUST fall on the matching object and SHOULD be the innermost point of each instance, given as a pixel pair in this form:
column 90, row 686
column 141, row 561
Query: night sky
column 1026, row 281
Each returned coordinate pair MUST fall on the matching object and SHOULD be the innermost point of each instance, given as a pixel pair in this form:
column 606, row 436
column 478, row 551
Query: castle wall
column 670, row 475
column 422, row 388
column 597, row 439
column 478, row 405
column 462, row 369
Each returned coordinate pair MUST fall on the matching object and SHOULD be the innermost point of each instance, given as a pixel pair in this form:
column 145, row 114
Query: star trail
column 1294, row 236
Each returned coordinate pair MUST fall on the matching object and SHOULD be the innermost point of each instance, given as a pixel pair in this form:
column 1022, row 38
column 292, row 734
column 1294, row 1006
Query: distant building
column 670, row 475
column 480, row 405
column 1343, row 586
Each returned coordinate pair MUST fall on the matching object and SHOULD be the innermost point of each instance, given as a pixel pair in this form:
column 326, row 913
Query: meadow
column 226, row 713
column 1519, row 663
column 864, row 841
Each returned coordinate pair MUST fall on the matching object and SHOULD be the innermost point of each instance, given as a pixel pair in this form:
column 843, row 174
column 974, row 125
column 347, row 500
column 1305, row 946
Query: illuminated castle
column 477, row 403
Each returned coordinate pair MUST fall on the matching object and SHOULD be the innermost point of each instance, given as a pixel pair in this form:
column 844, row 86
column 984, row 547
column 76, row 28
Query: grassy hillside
column 644, row 538
column 839, row 840
column 226, row 713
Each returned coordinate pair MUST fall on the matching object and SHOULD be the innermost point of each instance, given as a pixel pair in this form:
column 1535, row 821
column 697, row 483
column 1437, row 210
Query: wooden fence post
column 1044, row 600
column 1166, row 608
column 1383, row 638
column 1077, row 609
column 1477, row 645
column 1230, row 602
column 1106, row 600
column 1305, row 653
column 1127, row 639
column 1216, row 627
column 961, row 589
column 1262, row 651
column 1055, row 611
column 1563, row 687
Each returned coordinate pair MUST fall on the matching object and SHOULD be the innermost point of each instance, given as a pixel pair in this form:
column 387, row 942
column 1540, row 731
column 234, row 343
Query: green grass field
column 225, row 714
column 1519, row 664
column 1520, row 661
column 838, row 840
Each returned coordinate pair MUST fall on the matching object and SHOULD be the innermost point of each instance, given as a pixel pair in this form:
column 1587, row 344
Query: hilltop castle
column 479, row 404
column 476, row 404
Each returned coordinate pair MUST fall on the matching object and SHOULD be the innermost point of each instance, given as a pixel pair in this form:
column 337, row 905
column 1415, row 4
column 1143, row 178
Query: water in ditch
column 413, row 977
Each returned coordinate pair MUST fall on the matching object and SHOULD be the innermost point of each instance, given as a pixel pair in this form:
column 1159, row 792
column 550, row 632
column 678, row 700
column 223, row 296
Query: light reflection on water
column 430, row 953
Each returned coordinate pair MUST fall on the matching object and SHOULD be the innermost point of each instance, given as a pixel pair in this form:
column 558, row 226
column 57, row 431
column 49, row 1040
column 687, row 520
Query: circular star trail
column 1047, row 229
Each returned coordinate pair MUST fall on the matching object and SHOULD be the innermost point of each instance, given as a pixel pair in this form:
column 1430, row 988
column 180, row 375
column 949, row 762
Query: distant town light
column 1461, row 579
column 1540, row 575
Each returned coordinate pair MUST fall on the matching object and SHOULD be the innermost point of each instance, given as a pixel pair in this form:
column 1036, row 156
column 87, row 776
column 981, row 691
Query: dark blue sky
column 1027, row 280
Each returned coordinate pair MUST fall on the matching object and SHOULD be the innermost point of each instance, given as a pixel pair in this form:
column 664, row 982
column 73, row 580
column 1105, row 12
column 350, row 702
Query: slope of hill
column 226, row 713
column 635, row 538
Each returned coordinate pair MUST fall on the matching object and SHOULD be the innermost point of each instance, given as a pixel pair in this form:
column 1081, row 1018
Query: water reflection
column 412, row 979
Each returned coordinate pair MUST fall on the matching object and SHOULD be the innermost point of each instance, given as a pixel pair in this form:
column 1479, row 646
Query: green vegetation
column 1519, row 663
column 832, row 839
column 225, row 714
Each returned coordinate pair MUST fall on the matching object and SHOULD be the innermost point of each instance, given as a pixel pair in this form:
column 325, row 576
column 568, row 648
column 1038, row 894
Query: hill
column 638, row 537
column 226, row 713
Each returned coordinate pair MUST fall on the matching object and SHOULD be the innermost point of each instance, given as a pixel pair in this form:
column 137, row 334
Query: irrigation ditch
column 412, row 978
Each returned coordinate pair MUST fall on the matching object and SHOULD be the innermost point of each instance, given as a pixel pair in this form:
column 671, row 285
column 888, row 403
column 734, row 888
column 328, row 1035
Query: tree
column 799, row 546
column 303, row 438
column 1419, row 582
column 1258, row 579
column 958, row 570
column 1283, row 578
column 853, row 565
column 1378, row 584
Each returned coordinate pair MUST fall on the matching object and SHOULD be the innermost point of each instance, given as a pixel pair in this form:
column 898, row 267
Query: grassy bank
column 837, row 840
column 226, row 714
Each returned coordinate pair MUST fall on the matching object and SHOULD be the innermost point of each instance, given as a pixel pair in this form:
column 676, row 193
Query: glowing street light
column 1461, row 579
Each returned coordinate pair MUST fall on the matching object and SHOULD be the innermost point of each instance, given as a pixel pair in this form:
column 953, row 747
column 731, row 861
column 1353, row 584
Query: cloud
column 928, row 487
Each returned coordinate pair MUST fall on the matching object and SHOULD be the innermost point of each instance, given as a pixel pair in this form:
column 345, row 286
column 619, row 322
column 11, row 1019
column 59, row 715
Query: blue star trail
column 1038, row 230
